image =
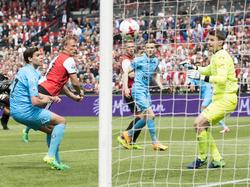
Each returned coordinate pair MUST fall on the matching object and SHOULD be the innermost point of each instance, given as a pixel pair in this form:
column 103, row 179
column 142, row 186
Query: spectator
column 88, row 87
column 206, row 20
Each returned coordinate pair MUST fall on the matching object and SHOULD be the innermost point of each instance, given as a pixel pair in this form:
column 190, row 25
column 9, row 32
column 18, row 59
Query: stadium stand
column 23, row 24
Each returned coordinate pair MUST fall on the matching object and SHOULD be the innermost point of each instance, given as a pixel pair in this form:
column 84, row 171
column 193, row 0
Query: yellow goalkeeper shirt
column 221, row 73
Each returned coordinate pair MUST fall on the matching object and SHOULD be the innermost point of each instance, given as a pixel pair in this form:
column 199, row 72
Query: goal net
column 180, row 28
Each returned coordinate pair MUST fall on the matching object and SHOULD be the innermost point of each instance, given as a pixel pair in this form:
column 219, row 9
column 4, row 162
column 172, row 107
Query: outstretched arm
column 203, row 70
column 71, row 95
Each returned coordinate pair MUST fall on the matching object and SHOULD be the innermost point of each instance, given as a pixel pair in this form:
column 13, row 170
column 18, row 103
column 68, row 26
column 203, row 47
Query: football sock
column 48, row 139
column 213, row 148
column 202, row 145
column 137, row 132
column 132, row 123
column 151, row 128
column 58, row 159
column 27, row 129
column 57, row 156
column 4, row 120
column 56, row 138
column 138, row 126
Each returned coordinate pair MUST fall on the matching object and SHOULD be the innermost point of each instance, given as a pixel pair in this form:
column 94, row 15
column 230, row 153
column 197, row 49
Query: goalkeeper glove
column 197, row 76
column 187, row 65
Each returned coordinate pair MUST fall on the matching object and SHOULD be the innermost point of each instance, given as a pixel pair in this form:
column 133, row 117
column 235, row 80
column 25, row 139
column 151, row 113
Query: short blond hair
column 67, row 38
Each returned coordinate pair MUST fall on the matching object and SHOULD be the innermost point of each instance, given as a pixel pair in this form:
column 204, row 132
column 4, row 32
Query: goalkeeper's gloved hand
column 197, row 76
column 193, row 74
column 187, row 65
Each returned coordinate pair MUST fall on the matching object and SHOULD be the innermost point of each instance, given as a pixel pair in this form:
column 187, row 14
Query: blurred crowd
column 180, row 37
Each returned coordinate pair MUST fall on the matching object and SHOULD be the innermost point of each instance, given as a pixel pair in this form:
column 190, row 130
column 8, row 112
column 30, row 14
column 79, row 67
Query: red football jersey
column 58, row 73
column 126, row 61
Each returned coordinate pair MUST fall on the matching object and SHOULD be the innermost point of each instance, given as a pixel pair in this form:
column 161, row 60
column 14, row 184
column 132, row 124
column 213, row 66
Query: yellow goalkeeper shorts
column 221, row 106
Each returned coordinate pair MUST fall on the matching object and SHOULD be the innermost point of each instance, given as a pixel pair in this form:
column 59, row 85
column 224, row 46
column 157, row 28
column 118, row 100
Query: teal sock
column 139, row 125
column 57, row 156
column 56, row 138
column 151, row 128
column 58, row 159
column 48, row 139
column 27, row 129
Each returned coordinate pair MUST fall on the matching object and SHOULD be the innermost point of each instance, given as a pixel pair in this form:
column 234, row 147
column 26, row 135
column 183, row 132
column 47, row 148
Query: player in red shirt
column 61, row 69
column 126, row 61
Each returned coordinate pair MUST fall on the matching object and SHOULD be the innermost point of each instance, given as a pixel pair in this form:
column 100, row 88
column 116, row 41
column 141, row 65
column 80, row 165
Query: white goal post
column 105, row 96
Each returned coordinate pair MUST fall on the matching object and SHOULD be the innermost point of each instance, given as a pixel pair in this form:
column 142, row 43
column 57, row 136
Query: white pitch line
column 30, row 154
column 224, row 183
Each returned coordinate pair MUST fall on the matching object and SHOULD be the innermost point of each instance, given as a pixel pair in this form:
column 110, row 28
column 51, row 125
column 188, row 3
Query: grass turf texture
column 26, row 168
column 21, row 164
column 149, row 168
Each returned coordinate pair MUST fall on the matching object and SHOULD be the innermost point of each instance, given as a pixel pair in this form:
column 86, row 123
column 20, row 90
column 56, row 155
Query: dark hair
column 152, row 41
column 28, row 53
column 219, row 34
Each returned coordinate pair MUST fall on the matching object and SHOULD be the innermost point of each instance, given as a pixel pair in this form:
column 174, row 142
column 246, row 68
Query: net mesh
column 180, row 28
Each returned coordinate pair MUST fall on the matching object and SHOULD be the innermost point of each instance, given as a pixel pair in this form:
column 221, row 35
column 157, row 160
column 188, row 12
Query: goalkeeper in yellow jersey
column 221, row 74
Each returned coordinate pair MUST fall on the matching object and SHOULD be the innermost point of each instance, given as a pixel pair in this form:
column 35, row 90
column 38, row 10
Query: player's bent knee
column 150, row 117
column 196, row 122
column 200, row 123
column 61, row 120
column 57, row 119
column 150, row 114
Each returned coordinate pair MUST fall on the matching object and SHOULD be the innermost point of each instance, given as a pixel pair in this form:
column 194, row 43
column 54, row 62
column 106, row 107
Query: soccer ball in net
column 129, row 27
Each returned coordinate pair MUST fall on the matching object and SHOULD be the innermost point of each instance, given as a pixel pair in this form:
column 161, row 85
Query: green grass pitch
column 149, row 168
column 21, row 164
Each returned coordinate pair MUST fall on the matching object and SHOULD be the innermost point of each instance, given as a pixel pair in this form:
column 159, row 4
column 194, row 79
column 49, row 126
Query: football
column 129, row 27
